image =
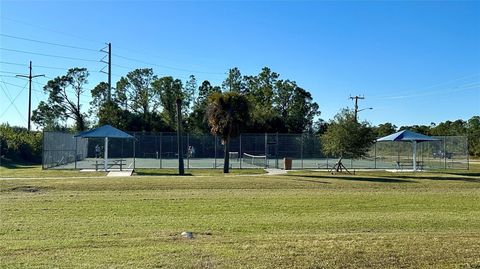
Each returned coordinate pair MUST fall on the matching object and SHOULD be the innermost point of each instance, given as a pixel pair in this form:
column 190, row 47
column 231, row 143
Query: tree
column 261, row 91
column 61, row 105
column 169, row 90
column 234, row 81
column 422, row 129
column 385, row 129
column 473, row 134
column 345, row 137
column 228, row 114
column 99, row 96
column 190, row 93
column 197, row 120
column 136, row 94
column 301, row 112
column 457, row 127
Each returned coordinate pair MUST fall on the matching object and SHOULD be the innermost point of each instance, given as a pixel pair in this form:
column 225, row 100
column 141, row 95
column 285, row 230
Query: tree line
column 143, row 101
column 345, row 136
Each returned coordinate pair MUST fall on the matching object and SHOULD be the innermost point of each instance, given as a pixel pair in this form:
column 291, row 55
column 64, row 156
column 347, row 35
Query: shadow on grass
column 310, row 181
column 160, row 173
column 444, row 178
column 361, row 178
column 9, row 164
column 473, row 174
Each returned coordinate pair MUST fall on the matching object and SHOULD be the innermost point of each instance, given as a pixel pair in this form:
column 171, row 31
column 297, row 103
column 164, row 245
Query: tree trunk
column 226, row 157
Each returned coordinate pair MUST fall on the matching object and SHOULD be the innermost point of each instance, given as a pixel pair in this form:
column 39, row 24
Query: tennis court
column 159, row 150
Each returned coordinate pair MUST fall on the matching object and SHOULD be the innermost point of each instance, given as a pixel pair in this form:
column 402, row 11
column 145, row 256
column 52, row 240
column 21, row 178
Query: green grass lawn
column 301, row 220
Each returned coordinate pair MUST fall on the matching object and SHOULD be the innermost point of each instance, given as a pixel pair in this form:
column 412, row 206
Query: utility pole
column 29, row 91
column 181, row 167
column 109, row 63
column 356, row 97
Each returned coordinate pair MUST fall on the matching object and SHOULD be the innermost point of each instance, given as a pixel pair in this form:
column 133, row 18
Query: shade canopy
column 408, row 136
column 104, row 131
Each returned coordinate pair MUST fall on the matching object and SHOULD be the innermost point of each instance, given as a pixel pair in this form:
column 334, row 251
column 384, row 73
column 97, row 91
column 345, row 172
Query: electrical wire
column 47, row 29
column 437, row 92
column 12, row 101
column 429, row 87
column 50, row 55
column 10, row 63
column 48, row 43
column 167, row 67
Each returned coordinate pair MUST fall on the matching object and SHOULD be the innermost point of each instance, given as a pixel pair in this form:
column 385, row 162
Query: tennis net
column 255, row 160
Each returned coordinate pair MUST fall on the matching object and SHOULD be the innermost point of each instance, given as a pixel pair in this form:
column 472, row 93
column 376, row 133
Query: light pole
column 360, row 110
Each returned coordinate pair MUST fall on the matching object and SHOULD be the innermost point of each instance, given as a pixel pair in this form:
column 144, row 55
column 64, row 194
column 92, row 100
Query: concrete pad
column 403, row 170
column 273, row 172
column 88, row 170
column 124, row 173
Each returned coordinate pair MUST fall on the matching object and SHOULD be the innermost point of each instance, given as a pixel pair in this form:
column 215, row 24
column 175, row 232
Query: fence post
column 375, row 156
column 160, row 150
column 215, row 150
column 301, row 151
column 134, row 142
column 468, row 153
column 266, row 150
column 75, row 155
column 43, row 149
column 276, row 152
column 445, row 151
column 188, row 153
column 240, row 152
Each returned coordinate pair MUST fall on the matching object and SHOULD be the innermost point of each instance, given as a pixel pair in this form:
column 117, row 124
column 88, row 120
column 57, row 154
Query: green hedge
column 17, row 144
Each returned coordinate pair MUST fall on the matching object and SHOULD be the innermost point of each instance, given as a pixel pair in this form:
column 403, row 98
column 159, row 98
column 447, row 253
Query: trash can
column 287, row 163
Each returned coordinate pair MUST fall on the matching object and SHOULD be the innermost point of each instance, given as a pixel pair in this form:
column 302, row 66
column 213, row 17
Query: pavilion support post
column 76, row 148
column 106, row 154
column 414, row 155
column 134, row 149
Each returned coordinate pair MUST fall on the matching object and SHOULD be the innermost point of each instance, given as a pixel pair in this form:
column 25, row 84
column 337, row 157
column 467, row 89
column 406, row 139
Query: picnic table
column 400, row 165
column 111, row 163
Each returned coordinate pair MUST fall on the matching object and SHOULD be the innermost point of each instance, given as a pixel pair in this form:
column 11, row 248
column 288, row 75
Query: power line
column 12, row 101
column 11, row 84
column 10, row 63
column 49, row 55
column 35, row 91
column 93, row 42
column 7, row 72
column 50, row 30
column 436, row 85
column 49, row 43
column 38, row 66
column 437, row 92
column 167, row 67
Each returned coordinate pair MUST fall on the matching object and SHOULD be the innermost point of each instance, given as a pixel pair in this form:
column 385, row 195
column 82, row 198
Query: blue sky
column 415, row 62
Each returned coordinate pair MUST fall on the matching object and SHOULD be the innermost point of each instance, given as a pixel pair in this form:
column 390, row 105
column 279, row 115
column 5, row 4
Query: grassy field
column 244, row 220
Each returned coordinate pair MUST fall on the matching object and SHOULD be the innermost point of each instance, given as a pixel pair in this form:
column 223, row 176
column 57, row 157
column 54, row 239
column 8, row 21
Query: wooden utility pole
column 29, row 91
column 356, row 97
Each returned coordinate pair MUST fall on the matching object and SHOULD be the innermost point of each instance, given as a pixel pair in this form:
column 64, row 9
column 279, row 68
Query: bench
column 111, row 163
column 400, row 165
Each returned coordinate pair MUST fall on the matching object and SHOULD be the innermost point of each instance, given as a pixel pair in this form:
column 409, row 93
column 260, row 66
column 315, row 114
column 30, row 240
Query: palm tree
column 227, row 115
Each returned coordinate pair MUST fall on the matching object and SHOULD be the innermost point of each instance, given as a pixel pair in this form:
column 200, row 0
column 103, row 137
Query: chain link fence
column 268, row 150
